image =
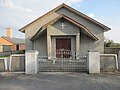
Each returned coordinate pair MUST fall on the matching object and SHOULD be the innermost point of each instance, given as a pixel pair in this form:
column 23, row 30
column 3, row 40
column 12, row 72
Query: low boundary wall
column 14, row 63
column 108, row 62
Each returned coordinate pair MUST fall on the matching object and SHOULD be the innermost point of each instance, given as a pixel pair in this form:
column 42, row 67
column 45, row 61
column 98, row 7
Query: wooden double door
column 63, row 47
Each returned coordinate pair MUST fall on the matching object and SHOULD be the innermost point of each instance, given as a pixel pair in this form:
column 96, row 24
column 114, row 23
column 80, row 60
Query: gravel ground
column 60, row 81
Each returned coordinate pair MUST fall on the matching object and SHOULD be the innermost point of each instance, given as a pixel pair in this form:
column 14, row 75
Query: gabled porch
column 61, row 33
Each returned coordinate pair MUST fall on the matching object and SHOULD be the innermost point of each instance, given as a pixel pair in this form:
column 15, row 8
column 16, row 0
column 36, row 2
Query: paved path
column 60, row 81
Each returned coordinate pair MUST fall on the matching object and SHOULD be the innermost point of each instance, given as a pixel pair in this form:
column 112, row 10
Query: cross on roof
column 62, row 25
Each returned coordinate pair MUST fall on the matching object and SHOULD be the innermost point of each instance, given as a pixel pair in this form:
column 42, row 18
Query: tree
column 110, row 43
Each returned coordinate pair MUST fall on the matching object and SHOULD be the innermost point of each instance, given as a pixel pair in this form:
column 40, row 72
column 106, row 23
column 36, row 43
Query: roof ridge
column 63, row 4
column 73, row 10
column 12, row 37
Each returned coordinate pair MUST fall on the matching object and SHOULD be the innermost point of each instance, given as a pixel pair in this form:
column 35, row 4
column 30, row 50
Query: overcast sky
column 17, row 13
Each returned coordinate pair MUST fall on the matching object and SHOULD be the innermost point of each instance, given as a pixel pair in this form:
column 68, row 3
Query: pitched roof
column 85, row 30
column 14, row 40
column 73, row 10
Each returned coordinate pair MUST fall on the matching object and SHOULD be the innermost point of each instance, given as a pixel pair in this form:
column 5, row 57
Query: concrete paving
column 60, row 81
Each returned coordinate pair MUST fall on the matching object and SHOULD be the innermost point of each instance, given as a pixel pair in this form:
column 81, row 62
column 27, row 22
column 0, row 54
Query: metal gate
column 67, row 64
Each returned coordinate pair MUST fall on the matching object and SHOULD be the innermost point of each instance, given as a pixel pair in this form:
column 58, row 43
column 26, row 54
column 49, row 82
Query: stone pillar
column 49, row 46
column 93, row 62
column 4, row 62
column 77, row 45
column 31, row 62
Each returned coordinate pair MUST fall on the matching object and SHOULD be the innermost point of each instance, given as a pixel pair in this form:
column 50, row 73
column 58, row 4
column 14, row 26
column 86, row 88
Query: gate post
column 31, row 62
column 5, row 63
column 93, row 62
column 119, row 60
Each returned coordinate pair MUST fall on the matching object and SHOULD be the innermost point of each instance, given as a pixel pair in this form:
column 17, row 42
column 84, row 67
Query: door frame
column 53, row 43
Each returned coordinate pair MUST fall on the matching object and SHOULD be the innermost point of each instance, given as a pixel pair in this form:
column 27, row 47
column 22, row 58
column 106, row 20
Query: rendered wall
column 108, row 63
column 18, row 64
column 56, row 31
column 93, row 62
column 85, row 44
column 32, row 29
column 99, row 32
column 40, row 44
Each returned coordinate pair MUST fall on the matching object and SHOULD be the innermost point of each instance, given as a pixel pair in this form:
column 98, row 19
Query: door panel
column 63, row 43
column 63, row 47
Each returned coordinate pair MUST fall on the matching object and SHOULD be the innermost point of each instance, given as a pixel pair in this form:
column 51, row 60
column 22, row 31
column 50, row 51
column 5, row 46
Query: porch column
column 77, row 45
column 49, row 46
